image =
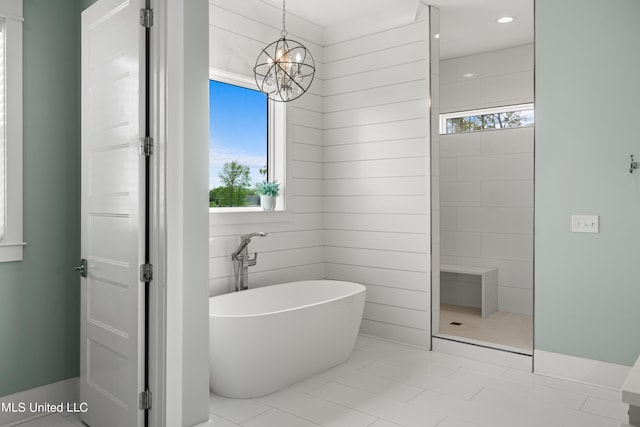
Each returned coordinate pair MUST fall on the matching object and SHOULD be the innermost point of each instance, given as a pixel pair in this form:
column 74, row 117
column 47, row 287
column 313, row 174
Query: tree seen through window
column 238, row 141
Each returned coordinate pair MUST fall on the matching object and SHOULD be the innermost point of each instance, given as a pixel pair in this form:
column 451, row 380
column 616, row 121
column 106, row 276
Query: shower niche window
column 513, row 116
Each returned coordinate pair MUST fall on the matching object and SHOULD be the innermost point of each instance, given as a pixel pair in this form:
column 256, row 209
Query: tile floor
column 511, row 330
column 385, row 384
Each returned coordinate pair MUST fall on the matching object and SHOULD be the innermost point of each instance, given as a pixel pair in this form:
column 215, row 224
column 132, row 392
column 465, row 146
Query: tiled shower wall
column 486, row 180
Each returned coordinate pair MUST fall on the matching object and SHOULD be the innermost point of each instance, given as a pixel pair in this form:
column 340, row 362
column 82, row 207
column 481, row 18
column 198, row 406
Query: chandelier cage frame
column 285, row 69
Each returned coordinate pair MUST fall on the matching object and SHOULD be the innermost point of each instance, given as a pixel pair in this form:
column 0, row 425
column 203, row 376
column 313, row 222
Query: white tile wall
column 448, row 167
column 502, row 167
column 461, row 144
column 516, row 247
column 501, row 77
column 487, row 178
column 500, row 62
column 463, row 95
column 513, row 88
column 461, row 193
column 495, row 220
column 515, row 141
column 508, row 193
column 461, row 244
column 516, row 300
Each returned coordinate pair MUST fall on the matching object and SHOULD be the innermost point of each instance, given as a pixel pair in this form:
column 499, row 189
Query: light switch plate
column 585, row 224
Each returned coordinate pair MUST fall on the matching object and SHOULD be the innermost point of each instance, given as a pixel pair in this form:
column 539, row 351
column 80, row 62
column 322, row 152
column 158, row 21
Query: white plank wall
column 377, row 176
column 359, row 168
column 294, row 247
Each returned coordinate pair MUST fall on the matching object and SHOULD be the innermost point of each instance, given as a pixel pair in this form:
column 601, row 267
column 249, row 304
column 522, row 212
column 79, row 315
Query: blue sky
column 237, row 129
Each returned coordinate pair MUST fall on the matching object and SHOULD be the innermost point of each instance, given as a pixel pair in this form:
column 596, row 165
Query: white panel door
column 112, row 208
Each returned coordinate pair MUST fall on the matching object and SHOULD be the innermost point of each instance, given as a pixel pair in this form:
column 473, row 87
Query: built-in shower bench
column 488, row 283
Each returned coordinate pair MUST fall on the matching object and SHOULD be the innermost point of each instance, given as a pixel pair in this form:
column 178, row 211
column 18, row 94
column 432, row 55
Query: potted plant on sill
column 268, row 192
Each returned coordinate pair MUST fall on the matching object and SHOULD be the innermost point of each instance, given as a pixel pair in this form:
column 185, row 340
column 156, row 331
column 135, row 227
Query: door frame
column 157, row 298
column 179, row 376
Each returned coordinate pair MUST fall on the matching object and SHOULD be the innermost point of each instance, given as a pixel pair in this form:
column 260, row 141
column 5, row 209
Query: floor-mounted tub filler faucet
column 242, row 262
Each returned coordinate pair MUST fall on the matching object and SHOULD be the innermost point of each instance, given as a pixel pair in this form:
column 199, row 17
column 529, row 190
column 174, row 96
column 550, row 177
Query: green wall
column 40, row 296
column 587, row 75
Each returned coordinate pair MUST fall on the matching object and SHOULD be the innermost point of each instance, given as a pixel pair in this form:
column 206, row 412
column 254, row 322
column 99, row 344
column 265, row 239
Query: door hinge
column 144, row 400
column 146, row 18
column 146, row 145
column 146, row 273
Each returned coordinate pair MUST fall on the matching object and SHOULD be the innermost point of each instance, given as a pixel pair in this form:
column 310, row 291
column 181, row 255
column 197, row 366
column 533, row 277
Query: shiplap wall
column 359, row 166
column 486, row 188
column 293, row 249
column 376, row 177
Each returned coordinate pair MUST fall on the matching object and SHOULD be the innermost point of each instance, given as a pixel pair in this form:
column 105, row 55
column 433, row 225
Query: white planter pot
column 268, row 203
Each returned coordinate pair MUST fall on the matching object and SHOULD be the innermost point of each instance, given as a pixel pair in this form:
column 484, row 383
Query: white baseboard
column 586, row 371
column 208, row 423
column 507, row 359
column 66, row 391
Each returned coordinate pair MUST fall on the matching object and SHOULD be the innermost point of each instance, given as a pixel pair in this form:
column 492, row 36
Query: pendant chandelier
column 285, row 68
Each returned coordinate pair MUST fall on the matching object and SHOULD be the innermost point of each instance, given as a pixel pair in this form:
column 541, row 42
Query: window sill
column 228, row 216
column 10, row 252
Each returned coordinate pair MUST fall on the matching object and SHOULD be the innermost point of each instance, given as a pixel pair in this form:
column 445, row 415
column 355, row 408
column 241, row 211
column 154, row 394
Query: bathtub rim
column 361, row 289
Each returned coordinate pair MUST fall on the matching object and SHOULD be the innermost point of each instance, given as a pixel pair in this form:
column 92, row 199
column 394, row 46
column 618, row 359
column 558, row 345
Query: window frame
column 11, row 249
column 482, row 111
column 277, row 158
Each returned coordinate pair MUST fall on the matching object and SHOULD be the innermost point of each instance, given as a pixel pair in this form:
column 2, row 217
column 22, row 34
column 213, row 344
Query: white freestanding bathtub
column 264, row 339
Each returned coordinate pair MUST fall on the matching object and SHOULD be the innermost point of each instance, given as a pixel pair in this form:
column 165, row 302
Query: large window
column 3, row 143
column 246, row 143
column 11, row 130
column 238, row 144
column 512, row 116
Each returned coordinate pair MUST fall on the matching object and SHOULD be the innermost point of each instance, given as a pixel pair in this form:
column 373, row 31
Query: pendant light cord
column 284, row 24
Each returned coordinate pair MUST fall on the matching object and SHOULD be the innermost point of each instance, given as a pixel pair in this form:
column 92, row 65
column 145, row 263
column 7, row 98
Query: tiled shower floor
column 510, row 330
column 385, row 384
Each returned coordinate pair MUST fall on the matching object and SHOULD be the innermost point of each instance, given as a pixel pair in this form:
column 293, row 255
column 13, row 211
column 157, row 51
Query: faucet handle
column 250, row 262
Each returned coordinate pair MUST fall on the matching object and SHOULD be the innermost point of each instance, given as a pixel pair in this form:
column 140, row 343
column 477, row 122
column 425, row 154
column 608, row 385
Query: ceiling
column 466, row 26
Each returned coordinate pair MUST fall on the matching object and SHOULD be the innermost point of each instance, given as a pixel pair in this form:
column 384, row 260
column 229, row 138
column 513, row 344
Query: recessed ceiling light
column 437, row 36
column 467, row 75
column 505, row 19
